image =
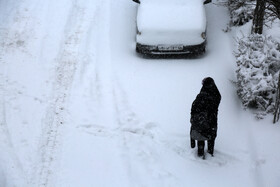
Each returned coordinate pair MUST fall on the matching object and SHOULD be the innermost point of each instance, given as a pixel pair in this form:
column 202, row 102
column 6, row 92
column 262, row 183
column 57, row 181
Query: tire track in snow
column 11, row 171
column 13, row 40
column 107, row 98
column 92, row 103
column 141, row 144
column 108, row 91
column 100, row 70
column 67, row 60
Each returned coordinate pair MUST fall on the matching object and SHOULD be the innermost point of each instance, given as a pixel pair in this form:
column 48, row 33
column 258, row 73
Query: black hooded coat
column 204, row 112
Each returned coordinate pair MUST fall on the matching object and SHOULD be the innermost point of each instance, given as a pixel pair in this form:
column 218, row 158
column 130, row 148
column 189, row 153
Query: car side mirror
column 136, row 1
column 207, row 1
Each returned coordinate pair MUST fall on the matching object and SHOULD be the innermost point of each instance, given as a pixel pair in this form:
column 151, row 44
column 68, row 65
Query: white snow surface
column 78, row 107
column 171, row 22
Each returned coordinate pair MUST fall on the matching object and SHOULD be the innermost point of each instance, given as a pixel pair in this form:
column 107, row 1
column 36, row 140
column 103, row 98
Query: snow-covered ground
column 78, row 106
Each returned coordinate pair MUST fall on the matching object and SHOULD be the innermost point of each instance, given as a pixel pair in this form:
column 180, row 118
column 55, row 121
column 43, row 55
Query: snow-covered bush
column 272, row 9
column 258, row 65
column 241, row 11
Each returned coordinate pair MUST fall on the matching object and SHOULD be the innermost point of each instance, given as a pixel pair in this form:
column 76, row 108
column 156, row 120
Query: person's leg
column 192, row 143
column 211, row 144
column 200, row 145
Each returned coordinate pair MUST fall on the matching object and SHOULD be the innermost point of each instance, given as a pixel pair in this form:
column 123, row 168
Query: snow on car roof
column 167, row 15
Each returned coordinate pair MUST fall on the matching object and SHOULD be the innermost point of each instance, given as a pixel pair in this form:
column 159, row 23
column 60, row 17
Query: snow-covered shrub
column 241, row 11
column 272, row 9
column 258, row 65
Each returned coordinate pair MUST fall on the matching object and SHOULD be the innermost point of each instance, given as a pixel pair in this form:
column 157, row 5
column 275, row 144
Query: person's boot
column 201, row 154
column 192, row 143
column 200, row 150
column 211, row 144
column 211, row 152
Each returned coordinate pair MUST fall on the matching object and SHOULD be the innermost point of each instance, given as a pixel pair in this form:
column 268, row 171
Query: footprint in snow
column 95, row 130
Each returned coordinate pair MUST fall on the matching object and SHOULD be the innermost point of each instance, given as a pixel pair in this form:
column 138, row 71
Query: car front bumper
column 187, row 50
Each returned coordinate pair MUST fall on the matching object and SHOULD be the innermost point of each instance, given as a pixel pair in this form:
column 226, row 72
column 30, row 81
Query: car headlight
column 203, row 35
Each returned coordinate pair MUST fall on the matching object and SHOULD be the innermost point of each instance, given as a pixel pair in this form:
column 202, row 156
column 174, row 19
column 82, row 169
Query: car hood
column 167, row 16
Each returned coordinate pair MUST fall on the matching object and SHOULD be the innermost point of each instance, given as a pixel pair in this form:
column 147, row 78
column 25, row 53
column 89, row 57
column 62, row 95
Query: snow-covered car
column 171, row 27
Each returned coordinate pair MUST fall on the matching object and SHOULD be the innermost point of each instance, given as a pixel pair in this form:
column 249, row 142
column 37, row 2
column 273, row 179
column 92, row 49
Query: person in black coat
column 204, row 114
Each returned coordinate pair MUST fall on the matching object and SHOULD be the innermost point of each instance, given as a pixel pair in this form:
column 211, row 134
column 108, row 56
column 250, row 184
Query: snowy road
column 79, row 107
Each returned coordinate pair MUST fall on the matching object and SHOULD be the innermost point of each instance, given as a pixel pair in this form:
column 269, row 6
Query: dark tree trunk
column 258, row 19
